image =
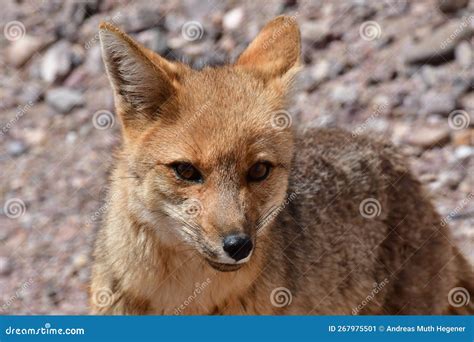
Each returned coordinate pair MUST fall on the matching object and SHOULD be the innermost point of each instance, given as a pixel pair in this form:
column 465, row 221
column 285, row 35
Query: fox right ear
column 142, row 80
column 275, row 52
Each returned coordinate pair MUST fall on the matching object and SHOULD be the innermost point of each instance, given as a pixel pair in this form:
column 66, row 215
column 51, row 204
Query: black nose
column 238, row 246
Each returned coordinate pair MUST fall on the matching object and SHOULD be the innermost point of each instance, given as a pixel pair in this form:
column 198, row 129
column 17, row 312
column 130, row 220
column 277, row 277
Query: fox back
column 218, row 205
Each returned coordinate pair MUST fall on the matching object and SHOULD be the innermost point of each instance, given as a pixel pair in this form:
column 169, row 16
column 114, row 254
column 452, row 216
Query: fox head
column 207, row 152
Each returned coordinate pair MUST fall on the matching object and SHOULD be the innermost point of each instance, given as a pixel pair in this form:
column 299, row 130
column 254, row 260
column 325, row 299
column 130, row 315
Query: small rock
column 434, row 102
column 449, row 6
column 57, row 62
column 233, row 19
column 427, row 137
column 344, row 95
column 64, row 99
column 316, row 32
column 320, row 71
column 467, row 101
column 464, row 137
column 464, row 54
column 20, row 51
column 6, row 266
column 439, row 45
column 16, row 148
column 463, row 152
column 80, row 261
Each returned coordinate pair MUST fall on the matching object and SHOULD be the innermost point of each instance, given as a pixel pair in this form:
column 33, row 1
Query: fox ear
column 142, row 81
column 275, row 52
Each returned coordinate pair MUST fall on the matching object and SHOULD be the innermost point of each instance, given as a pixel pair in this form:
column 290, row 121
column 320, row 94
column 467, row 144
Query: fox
column 219, row 205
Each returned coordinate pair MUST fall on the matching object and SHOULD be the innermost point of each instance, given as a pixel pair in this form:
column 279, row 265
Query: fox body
column 218, row 205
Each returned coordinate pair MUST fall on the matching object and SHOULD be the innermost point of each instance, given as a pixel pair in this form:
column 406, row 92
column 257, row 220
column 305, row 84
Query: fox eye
column 259, row 171
column 187, row 172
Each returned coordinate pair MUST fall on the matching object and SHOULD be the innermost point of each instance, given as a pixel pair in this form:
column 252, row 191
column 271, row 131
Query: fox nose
column 238, row 246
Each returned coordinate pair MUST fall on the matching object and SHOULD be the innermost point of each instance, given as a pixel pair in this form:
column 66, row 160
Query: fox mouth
column 221, row 267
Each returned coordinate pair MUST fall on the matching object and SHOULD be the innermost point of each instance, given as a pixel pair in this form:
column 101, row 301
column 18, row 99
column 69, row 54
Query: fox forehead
column 221, row 115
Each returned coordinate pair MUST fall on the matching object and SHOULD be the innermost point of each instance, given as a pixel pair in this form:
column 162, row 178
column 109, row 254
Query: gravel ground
column 401, row 69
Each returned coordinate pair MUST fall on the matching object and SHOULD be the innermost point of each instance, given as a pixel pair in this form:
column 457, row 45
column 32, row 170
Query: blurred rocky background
column 397, row 68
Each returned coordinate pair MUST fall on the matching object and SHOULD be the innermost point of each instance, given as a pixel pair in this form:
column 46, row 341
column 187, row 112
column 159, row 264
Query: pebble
column 427, row 137
column 449, row 6
column 6, row 266
column 344, row 94
column 463, row 152
column 16, row 148
column 437, row 102
column 439, row 44
column 464, row 54
column 233, row 19
column 64, row 99
column 57, row 62
column 20, row 51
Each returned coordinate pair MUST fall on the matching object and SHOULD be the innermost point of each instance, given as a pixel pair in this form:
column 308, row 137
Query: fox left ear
column 275, row 52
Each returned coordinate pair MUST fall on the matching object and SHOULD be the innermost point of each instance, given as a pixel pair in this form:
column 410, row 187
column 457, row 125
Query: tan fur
column 151, row 255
